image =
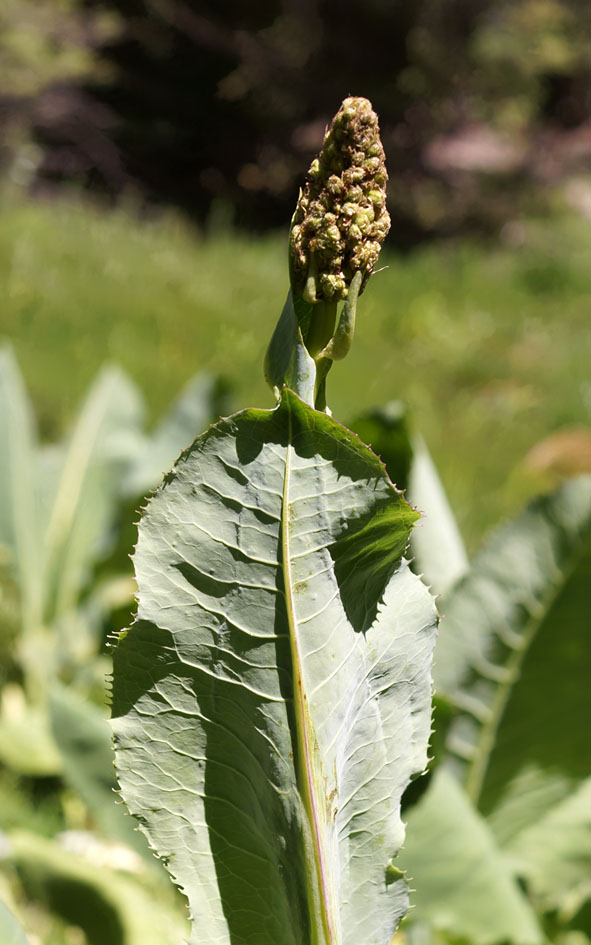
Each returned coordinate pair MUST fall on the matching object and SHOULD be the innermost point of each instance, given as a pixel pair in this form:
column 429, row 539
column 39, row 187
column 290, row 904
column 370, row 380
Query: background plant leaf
column 463, row 885
column 11, row 932
column 82, row 735
column 514, row 647
column 201, row 401
column 111, row 907
column 106, row 436
column 18, row 504
column 387, row 431
column 437, row 545
column 554, row 854
column 27, row 744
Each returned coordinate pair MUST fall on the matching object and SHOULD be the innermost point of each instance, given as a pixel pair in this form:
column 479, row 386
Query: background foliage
column 488, row 346
column 485, row 106
column 171, row 111
column 489, row 349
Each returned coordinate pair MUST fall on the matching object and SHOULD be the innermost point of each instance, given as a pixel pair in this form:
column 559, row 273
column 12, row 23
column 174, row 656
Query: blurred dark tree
column 210, row 105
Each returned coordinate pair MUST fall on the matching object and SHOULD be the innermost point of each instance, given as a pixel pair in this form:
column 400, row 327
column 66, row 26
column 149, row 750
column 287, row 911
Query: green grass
column 490, row 346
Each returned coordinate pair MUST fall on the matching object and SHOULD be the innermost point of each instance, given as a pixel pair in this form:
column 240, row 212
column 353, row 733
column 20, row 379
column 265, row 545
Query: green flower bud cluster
column 341, row 219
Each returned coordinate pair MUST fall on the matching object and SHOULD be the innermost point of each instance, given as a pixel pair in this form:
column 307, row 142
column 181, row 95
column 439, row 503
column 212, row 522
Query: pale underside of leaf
column 272, row 700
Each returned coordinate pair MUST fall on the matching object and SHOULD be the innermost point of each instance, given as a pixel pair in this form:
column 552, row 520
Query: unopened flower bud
column 341, row 219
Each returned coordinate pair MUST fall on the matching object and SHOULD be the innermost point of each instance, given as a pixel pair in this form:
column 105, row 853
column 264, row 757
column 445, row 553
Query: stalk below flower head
column 341, row 218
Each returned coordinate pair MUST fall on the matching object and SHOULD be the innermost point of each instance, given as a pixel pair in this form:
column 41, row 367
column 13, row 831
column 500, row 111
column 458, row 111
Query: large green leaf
column 463, row 885
column 272, row 699
column 11, row 932
column 514, row 654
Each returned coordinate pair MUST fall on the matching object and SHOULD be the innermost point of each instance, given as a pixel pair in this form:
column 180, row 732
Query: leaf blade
column 238, row 512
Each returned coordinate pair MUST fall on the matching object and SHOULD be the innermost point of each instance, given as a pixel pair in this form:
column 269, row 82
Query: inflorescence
column 341, row 218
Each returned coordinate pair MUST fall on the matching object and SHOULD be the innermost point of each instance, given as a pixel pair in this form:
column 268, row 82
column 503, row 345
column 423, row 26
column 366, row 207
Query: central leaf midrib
column 318, row 883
